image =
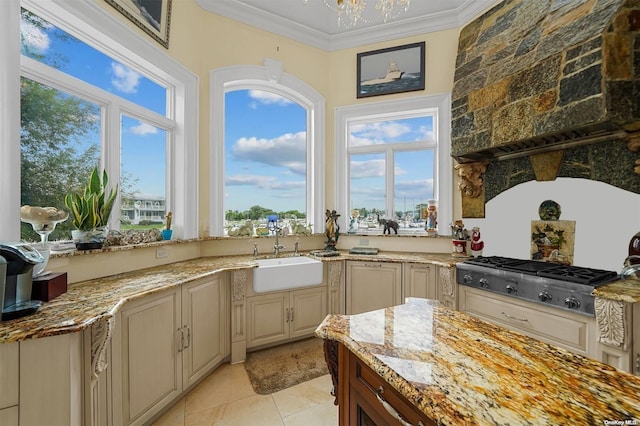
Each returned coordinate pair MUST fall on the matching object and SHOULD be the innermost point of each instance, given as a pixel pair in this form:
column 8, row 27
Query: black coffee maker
column 16, row 270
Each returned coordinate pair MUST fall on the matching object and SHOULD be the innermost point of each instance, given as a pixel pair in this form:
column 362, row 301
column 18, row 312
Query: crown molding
column 356, row 37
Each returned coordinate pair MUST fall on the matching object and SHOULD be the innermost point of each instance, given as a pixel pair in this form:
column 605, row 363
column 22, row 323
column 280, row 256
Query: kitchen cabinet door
column 204, row 326
column 267, row 319
column 372, row 285
column 307, row 309
column 151, row 366
column 419, row 280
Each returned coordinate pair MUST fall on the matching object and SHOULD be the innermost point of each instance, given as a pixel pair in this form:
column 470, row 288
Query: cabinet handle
column 287, row 314
column 188, row 336
column 638, row 363
column 180, row 340
column 291, row 314
column 514, row 318
column 392, row 410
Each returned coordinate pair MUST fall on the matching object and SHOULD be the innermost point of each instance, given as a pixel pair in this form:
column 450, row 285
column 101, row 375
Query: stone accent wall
column 533, row 73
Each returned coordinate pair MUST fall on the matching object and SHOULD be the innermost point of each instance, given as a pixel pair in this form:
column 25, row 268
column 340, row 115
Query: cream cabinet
column 419, row 280
column 372, row 285
column 205, row 325
column 9, row 383
column 280, row 316
column 151, row 339
column 571, row 331
column 166, row 342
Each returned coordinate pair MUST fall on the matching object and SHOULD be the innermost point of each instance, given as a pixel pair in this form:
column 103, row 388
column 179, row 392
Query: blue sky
column 265, row 139
column 143, row 146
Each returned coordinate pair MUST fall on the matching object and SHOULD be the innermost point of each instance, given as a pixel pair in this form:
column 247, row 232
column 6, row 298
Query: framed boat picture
column 151, row 16
column 391, row 70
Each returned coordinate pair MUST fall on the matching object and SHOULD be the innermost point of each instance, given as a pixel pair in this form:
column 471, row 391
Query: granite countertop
column 458, row 369
column 90, row 301
column 441, row 259
column 622, row 290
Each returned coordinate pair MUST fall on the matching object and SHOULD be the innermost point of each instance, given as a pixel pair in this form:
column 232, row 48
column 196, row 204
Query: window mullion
column 389, row 182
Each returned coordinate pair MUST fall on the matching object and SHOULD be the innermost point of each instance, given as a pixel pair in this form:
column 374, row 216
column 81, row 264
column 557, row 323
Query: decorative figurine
column 332, row 229
column 432, row 218
column 353, row 221
column 476, row 242
column 460, row 237
column 388, row 225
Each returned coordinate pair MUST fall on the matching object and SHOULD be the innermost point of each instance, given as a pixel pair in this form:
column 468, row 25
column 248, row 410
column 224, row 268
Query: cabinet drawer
column 366, row 384
column 556, row 326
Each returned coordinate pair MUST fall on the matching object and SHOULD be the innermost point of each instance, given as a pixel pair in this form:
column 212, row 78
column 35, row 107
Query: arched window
column 255, row 161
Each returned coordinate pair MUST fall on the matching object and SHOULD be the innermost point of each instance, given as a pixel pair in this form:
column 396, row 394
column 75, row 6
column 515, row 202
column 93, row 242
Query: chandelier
column 350, row 11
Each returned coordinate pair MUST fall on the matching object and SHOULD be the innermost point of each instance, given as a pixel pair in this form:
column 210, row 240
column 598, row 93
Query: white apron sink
column 286, row 273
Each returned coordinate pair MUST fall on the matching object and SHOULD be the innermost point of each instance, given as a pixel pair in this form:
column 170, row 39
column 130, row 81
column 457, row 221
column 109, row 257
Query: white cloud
column 287, row 151
column 377, row 133
column 264, row 182
column 143, row 129
column 124, row 79
column 35, row 37
column 268, row 98
column 367, row 169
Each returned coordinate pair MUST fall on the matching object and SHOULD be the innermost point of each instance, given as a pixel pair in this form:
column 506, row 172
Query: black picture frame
column 151, row 16
column 376, row 75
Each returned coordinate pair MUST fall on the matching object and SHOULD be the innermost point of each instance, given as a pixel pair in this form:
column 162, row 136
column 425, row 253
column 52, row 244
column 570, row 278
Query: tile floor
column 226, row 397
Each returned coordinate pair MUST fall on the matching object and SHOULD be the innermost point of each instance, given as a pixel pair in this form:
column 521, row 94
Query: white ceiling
column 314, row 22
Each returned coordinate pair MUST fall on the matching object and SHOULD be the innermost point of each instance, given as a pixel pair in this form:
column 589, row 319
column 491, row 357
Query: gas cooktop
column 570, row 273
column 562, row 286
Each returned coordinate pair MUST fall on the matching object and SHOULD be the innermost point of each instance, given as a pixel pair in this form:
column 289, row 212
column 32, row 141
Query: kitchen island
column 456, row 369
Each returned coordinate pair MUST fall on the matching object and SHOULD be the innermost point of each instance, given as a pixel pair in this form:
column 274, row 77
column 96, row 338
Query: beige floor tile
column 325, row 414
column 173, row 417
column 257, row 410
column 228, row 383
column 304, row 395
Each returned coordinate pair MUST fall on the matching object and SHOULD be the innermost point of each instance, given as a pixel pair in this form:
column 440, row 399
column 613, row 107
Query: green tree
column 53, row 127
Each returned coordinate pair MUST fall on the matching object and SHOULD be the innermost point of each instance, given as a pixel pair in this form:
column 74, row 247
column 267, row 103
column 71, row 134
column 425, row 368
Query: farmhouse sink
column 286, row 273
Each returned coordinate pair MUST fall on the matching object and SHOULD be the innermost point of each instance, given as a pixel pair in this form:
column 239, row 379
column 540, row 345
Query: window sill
column 72, row 252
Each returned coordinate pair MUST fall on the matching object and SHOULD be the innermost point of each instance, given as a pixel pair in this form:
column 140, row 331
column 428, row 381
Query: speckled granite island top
column 460, row 370
column 89, row 301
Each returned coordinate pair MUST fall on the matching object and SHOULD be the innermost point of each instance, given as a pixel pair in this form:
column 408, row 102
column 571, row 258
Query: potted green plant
column 90, row 211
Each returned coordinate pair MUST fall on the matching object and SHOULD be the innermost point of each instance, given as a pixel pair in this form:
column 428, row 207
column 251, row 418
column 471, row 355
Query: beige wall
column 202, row 41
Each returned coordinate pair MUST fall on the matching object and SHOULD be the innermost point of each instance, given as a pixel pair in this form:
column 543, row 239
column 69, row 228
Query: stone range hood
column 554, row 81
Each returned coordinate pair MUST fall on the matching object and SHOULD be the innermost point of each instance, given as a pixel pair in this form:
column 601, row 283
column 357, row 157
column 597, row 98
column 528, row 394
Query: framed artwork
column 553, row 240
column 152, row 16
column 391, row 70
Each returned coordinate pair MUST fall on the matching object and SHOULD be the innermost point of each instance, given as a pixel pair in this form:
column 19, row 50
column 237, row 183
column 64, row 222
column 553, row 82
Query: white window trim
column 259, row 77
column 386, row 110
column 89, row 22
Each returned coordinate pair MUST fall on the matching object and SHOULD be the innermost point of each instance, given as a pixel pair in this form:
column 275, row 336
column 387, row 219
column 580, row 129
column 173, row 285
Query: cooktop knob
column 544, row 297
column 512, row 289
column 572, row 303
column 484, row 283
column 467, row 279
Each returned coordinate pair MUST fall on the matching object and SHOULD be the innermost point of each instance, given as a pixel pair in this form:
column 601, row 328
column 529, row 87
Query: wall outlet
column 364, row 241
column 162, row 253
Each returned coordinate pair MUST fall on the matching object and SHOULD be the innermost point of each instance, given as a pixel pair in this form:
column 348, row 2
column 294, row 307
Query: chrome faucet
column 277, row 246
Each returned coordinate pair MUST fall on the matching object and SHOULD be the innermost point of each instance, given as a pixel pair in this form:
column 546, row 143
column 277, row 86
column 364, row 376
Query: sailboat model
column 393, row 74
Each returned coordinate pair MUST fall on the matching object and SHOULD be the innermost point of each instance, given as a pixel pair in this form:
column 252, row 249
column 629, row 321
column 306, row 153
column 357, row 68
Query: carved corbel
column 610, row 317
column 471, row 187
column 100, row 335
column 633, row 143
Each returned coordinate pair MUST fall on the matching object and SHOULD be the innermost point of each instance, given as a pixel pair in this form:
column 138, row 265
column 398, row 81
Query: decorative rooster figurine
column 476, row 242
